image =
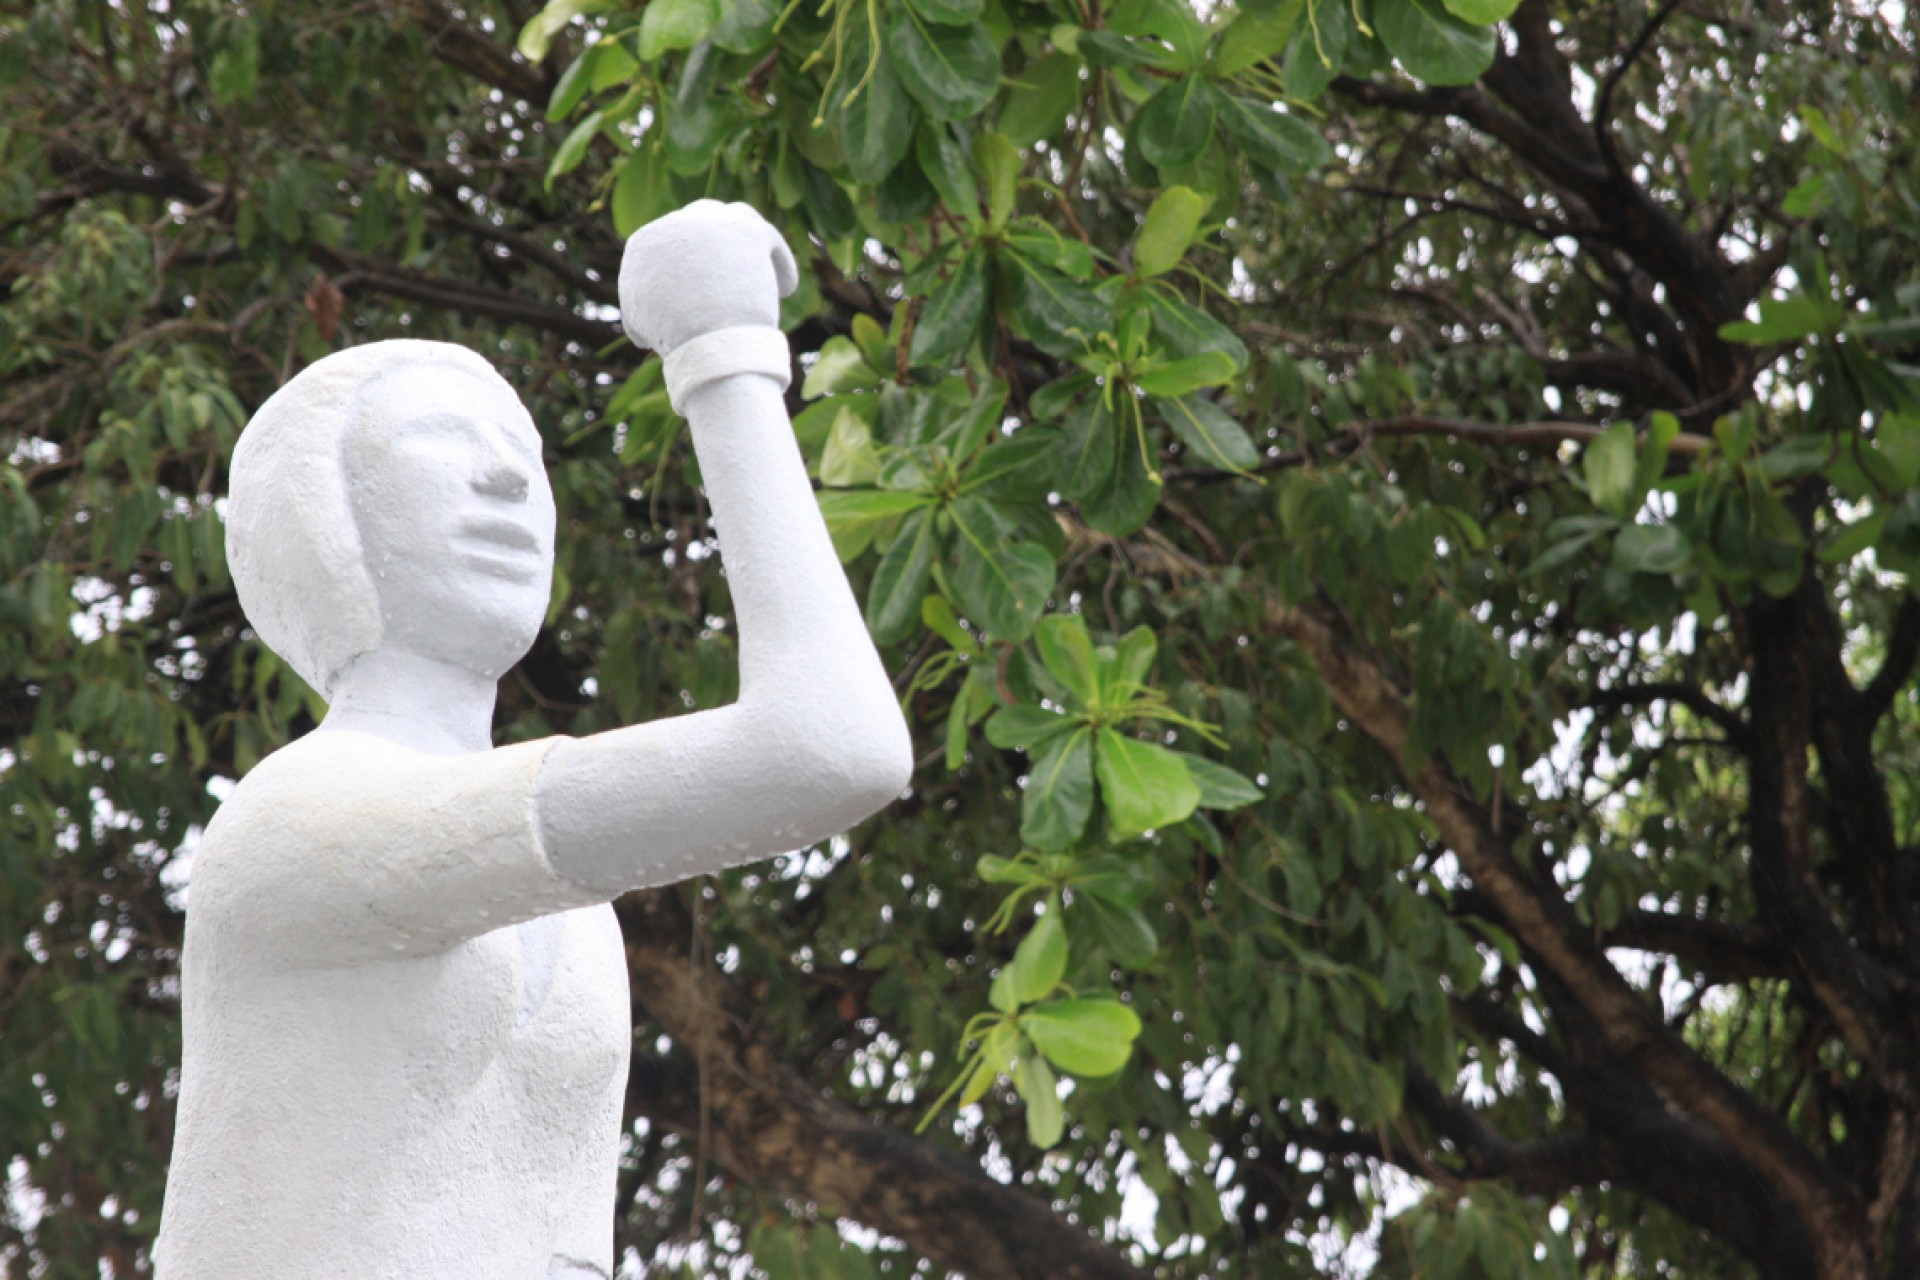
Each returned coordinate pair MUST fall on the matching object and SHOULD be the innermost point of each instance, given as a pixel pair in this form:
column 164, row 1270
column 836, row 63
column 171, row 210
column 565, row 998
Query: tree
column 1393, row 523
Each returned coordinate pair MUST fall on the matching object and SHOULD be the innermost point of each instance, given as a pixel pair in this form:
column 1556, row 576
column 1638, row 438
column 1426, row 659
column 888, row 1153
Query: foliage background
column 1456, row 818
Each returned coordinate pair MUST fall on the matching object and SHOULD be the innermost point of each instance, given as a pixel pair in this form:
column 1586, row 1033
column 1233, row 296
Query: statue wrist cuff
column 748, row 348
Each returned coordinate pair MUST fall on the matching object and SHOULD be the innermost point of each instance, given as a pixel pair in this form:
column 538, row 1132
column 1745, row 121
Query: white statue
column 405, row 996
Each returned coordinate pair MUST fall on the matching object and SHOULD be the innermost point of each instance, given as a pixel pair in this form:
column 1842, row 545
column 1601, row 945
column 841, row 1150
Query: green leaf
column 976, row 426
column 954, row 13
column 953, row 71
column 900, row 583
column 966, row 704
column 1608, row 465
column 777, row 1252
column 950, row 316
column 1025, row 727
column 1124, row 931
column 1820, row 127
column 675, row 24
column 1566, row 549
column 1108, row 49
column 871, row 112
column 1482, row 13
column 850, row 457
column 1043, row 96
column 1319, row 49
column 852, row 506
column 1184, row 34
column 1253, row 37
column 1650, row 548
column 235, row 69
column 1176, row 122
column 902, row 471
column 1899, row 439
column 1000, row 582
column 1650, row 462
column 575, row 83
column 1191, row 373
column 1144, row 786
column 1123, row 882
column 996, row 1056
column 1800, row 456
column 1124, row 673
column 1090, row 1038
column 1278, row 141
column 537, row 36
column 1850, row 540
column 1101, row 469
column 940, row 619
column 698, row 119
column 1783, row 320
column 997, row 870
column 1220, row 787
column 1058, row 315
column 1014, row 469
column 574, row 148
column 948, row 168
column 1189, row 331
column 1046, row 1121
column 1059, row 796
column 827, row 206
column 1041, row 960
column 1171, row 223
column 642, row 192
column 998, row 163
column 1432, row 44
column 1000, row 994
column 1808, row 198
column 1038, row 241
column 1211, row 434
column 905, row 196
column 745, row 26
column 1067, row 651
column 840, row 366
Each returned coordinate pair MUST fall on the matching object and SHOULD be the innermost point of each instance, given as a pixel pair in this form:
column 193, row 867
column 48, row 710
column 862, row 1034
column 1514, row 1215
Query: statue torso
column 439, row 1112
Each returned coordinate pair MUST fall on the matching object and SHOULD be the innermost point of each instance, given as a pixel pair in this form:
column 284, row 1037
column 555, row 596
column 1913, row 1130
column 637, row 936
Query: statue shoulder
column 333, row 795
column 308, row 793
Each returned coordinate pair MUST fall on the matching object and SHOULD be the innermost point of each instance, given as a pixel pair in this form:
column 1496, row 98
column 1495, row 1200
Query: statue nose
column 502, row 479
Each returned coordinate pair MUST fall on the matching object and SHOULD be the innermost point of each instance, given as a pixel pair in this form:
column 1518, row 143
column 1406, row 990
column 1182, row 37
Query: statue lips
column 502, row 549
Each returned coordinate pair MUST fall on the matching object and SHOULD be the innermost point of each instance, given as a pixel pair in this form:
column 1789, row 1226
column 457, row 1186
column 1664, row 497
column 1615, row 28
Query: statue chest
column 542, row 1008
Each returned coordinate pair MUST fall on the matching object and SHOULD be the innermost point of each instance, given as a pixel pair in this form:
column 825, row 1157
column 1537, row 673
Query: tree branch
column 1542, row 128
column 1689, row 696
column 1519, row 435
column 1641, row 1144
column 1722, row 951
column 1546, row 926
column 1799, row 698
column 358, row 272
column 1603, row 104
column 478, row 55
column 1903, row 650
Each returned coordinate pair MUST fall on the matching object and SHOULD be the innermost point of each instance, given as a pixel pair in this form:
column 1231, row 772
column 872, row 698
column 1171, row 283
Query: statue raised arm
column 404, row 993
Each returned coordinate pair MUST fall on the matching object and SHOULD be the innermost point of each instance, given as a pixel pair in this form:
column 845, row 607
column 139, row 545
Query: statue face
column 455, row 516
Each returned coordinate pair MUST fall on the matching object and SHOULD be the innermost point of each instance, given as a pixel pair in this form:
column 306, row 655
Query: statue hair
column 292, row 544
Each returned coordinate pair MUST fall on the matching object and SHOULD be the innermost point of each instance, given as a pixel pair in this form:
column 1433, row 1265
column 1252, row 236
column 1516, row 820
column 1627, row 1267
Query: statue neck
column 423, row 703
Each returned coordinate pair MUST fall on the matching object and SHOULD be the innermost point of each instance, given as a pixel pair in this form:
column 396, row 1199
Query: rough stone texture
column 405, row 996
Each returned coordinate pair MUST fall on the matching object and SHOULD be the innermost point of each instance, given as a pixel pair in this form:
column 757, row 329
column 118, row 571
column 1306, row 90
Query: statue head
column 392, row 496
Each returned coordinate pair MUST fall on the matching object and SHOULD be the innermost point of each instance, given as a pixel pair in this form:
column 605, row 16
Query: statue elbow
column 876, row 765
column 858, row 766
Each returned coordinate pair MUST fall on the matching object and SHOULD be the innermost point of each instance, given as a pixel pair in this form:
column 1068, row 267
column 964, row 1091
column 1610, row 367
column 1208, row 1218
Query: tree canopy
column 1392, row 520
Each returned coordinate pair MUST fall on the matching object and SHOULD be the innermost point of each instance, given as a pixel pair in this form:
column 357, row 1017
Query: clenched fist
column 705, row 267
